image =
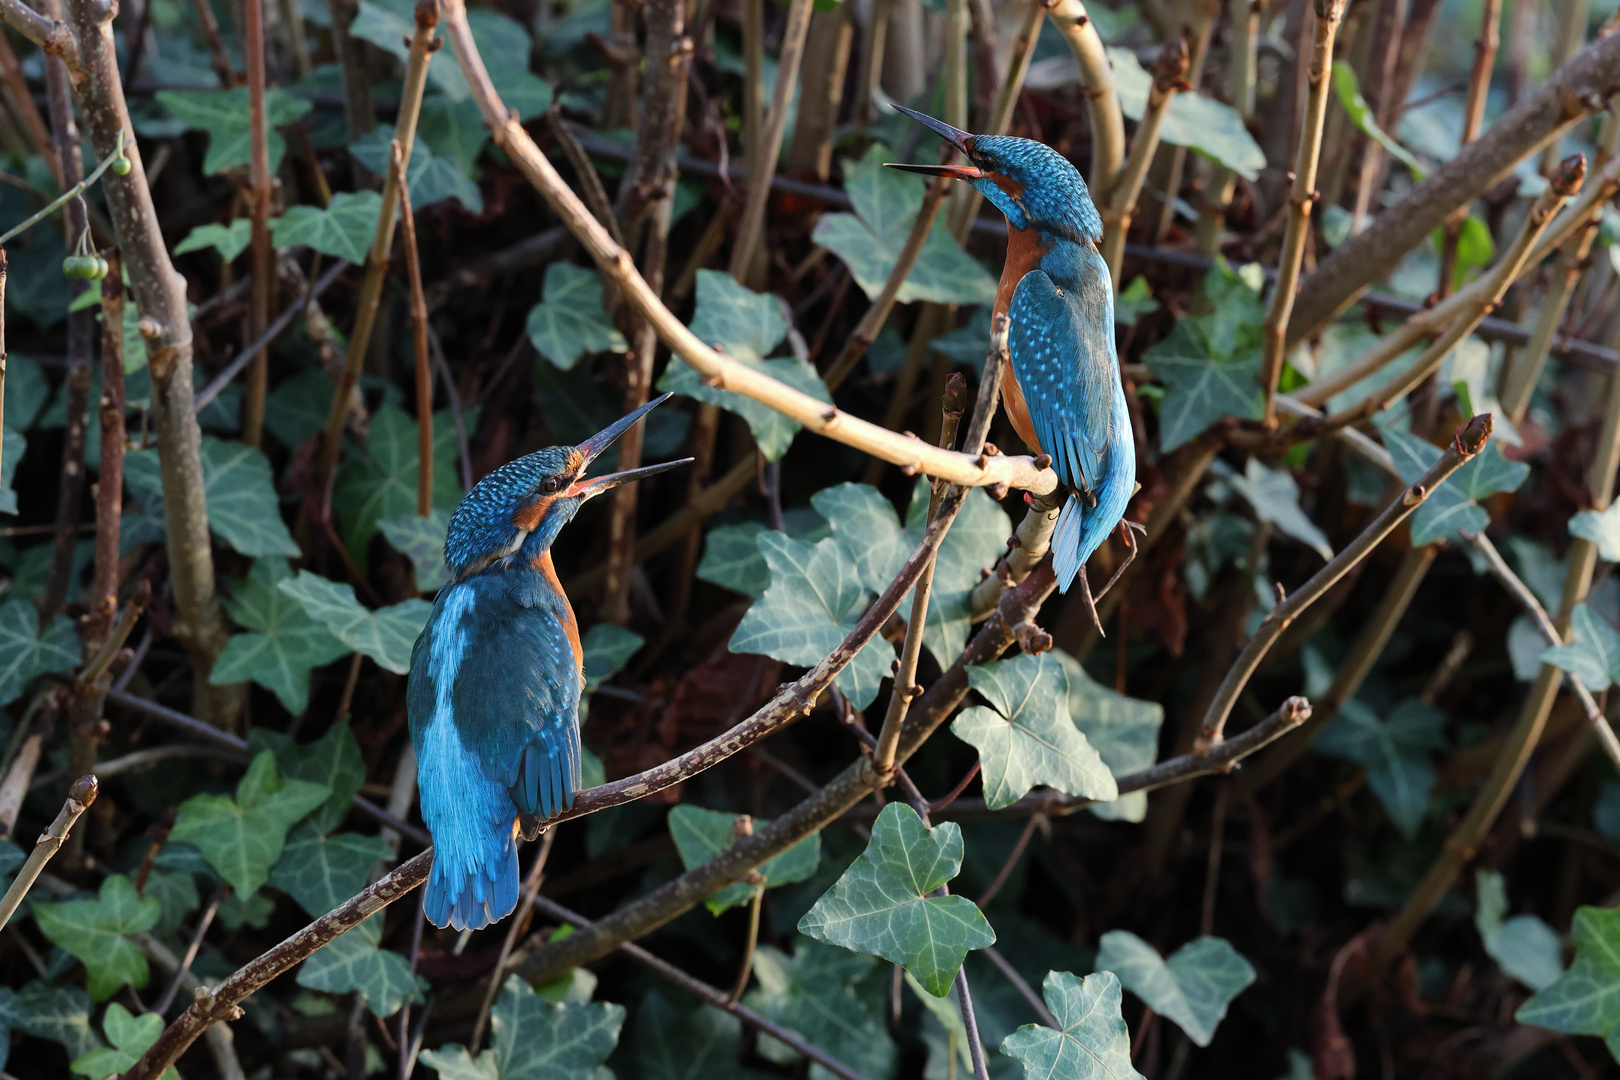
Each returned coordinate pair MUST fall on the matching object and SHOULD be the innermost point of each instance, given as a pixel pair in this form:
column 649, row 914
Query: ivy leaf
column 333, row 761
column 504, row 44
column 1025, row 737
column 1525, row 946
column 1134, row 301
column 454, row 130
column 1192, row 988
column 381, row 484
column 26, row 652
column 386, row 635
column 886, row 202
column 1395, row 753
column 1454, row 504
column 1601, row 527
column 130, row 1036
column 731, row 559
column 1199, row 123
column 243, row 511
column 421, row 540
column 882, row 905
column 229, row 240
column 1210, row 364
column 1585, row 1000
column 321, row 872
column 536, row 1040
column 431, row 179
column 1124, row 731
column 298, row 407
column 342, row 230
column 284, row 643
column 58, row 1014
column 236, row 911
column 701, row 1045
column 746, row 326
column 607, row 649
column 223, row 114
column 814, row 600
column 1275, row 498
column 571, row 321
column 97, row 932
column 812, row 993
column 1348, row 90
column 701, row 834
column 353, row 962
column 1593, row 656
column 242, row 837
column 1093, row 1043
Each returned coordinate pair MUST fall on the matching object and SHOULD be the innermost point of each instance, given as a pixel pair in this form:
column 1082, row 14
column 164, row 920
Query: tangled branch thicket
column 1338, row 791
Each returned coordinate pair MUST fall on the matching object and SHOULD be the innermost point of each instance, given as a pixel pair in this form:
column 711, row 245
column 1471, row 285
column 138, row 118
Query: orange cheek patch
column 528, row 517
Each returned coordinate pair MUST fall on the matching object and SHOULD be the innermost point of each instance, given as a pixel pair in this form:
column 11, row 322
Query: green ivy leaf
column 1593, row 656
column 1525, row 946
column 1454, row 505
column 58, row 1014
column 130, row 1036
column 607, row 649
column 702, row 834
column 229, row 240
column 1093, row 1043
column 814, row 600
column 731, row 559
column 342, row 230
column 421, row 540
column 701, row 1045
column 353, row 962
column 243, row 510
column 236, row 911
column 242, row 837
column 177, row 893
column 389, row 25
column 1134, row 301
column 431, row 179
column 882, row 904
column 26, row 652
column 536, row 1040
column 284, row 643
column 504, row 44
column 454, row 130
column 1210, row 364
column 812, row 993
column 747, row 326
column 1601, row 527
column 1586, row 999
column 1025, row 737
column 333, row 761
column 571, row 321
column 1192, row 988
column 381, row 484
column 1124, row 731
column 386, row 635
column 886, row 202
column 223, row 114
column 321, row 872
column 97, row 932
column 1395, row 753
column 298, row 407
column 1348, row 90
column 1199, row 123
column 1275, row 498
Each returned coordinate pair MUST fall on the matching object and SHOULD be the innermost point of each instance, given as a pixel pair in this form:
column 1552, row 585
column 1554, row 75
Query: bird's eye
column 551, row 486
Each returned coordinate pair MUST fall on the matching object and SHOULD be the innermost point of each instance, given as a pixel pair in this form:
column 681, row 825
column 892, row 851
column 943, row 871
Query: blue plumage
column 495, row 682
column 1063, row 392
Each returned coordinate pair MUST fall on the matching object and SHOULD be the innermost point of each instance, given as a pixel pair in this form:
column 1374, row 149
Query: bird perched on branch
column 1062, row 390
column 493, row 696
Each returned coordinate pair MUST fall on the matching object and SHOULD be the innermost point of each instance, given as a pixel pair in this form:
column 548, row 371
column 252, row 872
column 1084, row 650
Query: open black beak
column 955, row 136
column 591, row 449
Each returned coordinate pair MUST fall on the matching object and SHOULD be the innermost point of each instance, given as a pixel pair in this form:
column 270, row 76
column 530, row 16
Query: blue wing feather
column 1062, row 349
column 493, row 703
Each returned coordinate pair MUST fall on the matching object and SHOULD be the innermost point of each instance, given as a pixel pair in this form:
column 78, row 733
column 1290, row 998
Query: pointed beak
column 955, row 136
column 591, row 449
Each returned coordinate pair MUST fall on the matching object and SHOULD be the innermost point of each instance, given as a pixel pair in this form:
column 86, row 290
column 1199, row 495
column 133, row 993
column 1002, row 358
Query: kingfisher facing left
column 1062, row 390
column 493, row 695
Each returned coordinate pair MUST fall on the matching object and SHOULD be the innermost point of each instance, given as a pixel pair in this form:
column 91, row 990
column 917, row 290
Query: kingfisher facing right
column 493, row 695
column 1062, row 390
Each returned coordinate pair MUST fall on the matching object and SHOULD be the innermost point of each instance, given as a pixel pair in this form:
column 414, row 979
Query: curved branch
column 50, row 35
column 1102, row 100
column 717, row 369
